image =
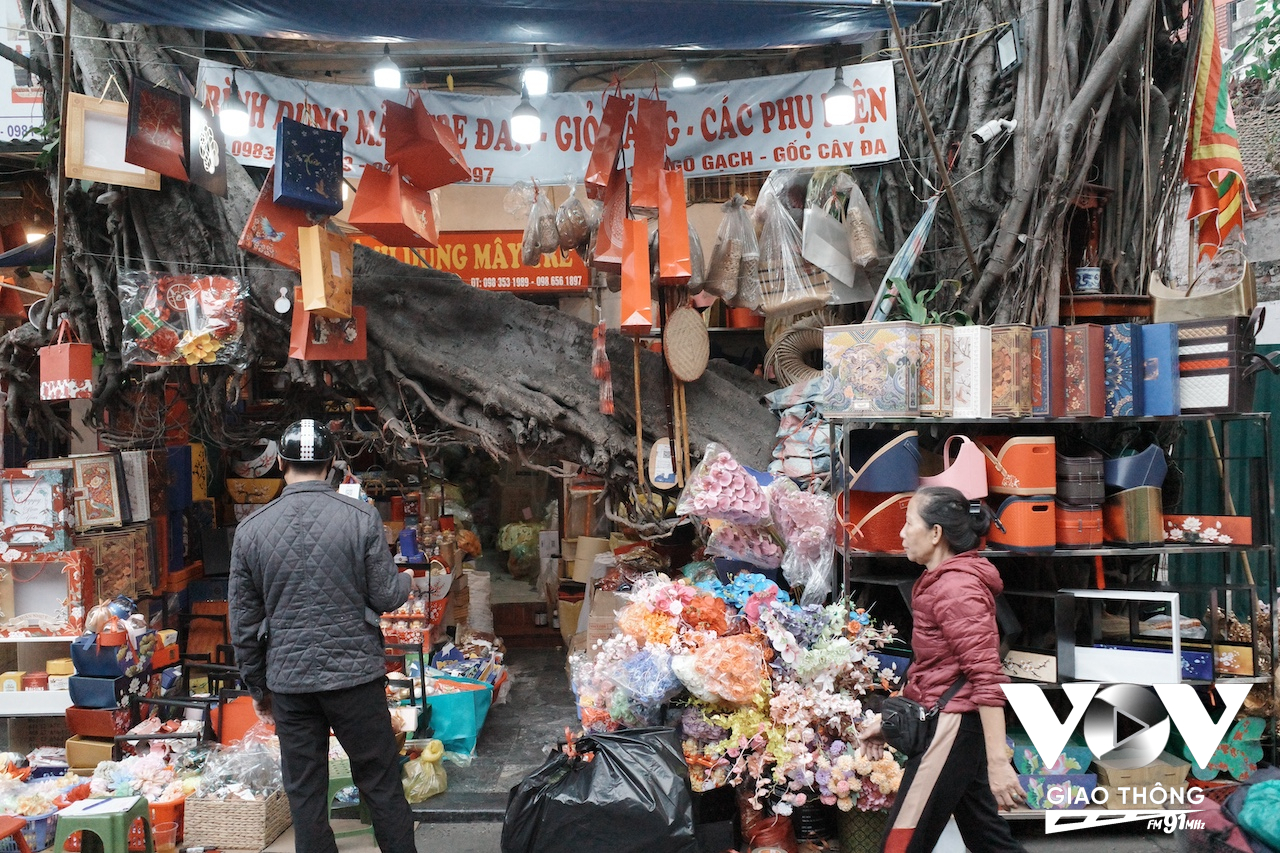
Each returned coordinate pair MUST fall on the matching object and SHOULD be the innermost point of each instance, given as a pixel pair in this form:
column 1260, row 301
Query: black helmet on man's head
column 307, row 440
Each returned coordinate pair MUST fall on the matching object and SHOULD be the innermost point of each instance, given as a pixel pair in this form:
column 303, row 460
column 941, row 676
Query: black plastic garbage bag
column 632, row 796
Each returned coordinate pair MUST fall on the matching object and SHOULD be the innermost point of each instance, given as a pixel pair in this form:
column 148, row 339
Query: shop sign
column 752, row 125
column 490, row 260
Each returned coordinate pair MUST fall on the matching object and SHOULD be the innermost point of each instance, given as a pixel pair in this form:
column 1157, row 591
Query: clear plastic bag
column 865, row 241
column 541, row 235
column 788, row 283
column 807, row 523
column 574, row 220
column 722, row 488
column 727, row 669
column 699, row 263
column 735, row 240
column 647, row 676
column 182, row 319
column 754, row 545
column 251, row 764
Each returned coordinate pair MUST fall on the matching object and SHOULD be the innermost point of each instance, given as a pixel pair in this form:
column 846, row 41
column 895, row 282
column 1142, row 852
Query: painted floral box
column 871, row 370
column 1010, row 370
column 1085, row 373
column 936, row 394
column 1048, row 372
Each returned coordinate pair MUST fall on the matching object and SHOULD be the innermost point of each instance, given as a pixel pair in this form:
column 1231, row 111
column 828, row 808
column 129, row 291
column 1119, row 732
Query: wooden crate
column 236, row 824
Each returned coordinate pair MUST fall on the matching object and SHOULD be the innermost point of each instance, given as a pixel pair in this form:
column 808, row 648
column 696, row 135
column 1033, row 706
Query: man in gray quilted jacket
column 310, row 574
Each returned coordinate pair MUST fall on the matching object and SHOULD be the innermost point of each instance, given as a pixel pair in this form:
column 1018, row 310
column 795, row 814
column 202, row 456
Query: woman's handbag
column 1172, row 306
column 907, row 726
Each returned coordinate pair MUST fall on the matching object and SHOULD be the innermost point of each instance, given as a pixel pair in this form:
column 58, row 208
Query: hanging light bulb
column 684, row 78
column 526, row 124
column 840, row 104
column 535, row 79
column 233, row 118
column 386, row 74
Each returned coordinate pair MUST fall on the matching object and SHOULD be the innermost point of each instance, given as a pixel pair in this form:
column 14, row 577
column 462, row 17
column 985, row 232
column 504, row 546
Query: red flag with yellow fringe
column 1212, row 166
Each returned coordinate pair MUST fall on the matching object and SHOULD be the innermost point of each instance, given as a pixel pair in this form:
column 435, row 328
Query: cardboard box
column 1167, row 770
column 1146, row 797
column 88, row 752
column 569, row 613
column 11, row 682
column 603, row 615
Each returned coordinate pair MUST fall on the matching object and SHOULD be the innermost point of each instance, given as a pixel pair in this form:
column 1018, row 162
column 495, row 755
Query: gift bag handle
column 66, row 331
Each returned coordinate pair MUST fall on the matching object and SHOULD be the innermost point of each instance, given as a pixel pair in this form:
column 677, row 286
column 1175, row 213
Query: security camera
column 994, row 128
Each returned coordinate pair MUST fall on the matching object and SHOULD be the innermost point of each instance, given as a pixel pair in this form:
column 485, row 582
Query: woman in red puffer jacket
column 965, row 772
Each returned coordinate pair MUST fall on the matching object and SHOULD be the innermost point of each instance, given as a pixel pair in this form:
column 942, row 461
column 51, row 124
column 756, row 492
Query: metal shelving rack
column 1247, row 457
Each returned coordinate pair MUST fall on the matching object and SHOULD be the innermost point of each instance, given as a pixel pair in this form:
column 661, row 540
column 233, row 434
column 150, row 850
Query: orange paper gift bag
column 66, row 367
column 425, row 148
column 326, row 271
column 394, row 211
column 675, row 264
column 637, row 306
column 607, row 252
column 316, row 338
column 649, row 142
column 607, row 145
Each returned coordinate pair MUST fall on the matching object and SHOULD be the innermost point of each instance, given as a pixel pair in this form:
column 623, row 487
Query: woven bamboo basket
column 236, row 824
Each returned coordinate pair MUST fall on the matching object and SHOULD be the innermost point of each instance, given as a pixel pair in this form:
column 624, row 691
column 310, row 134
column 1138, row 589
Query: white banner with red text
column 752, row 125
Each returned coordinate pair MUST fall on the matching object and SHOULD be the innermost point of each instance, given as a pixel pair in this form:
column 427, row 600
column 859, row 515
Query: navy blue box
column 209, row 589
column 177, row 542
column 1160, row 385
column 1122, row 363
column 179, row 468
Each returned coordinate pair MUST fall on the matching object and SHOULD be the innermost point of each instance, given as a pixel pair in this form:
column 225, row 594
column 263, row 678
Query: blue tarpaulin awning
column 36, row 254
column 617, row 25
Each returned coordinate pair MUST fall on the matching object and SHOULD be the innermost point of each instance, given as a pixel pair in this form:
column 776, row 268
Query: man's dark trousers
column 360, row 719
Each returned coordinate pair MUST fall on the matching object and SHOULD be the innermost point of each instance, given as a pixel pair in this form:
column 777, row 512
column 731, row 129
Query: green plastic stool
column 111, row 826
column 339, row 778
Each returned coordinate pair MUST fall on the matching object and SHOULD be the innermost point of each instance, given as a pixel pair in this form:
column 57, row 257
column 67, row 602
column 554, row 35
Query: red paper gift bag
column 316, row 338
column 675, row 264
column 649, row 142
column 607, row 145
column 157, row 132
column 66, row 367
column 394, row 211
column 425, row 148
column 637, row 306
column 272, row 229
column 613, row 214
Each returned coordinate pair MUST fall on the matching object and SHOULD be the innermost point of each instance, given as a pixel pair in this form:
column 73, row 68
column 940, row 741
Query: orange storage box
column 1025, row 523
column 872, row 521
column 1022, row 465
column 1078, row 526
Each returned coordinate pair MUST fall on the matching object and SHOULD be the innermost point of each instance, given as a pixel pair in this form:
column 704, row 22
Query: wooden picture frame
column 95, row 135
